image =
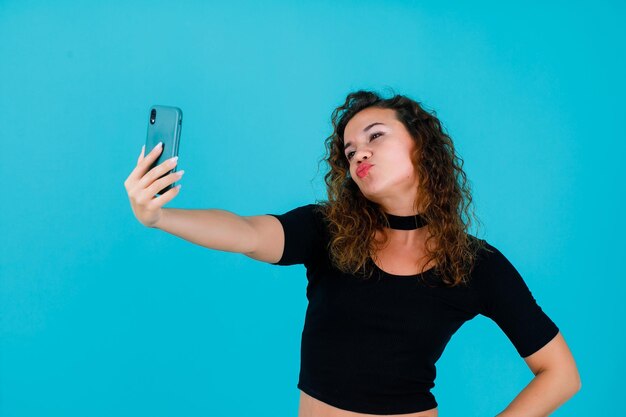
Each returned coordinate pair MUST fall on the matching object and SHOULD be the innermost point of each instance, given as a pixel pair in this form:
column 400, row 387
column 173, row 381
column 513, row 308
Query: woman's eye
column 372, row 137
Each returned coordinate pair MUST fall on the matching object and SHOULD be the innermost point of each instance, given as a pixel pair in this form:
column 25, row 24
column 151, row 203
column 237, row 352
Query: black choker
column 406, row 222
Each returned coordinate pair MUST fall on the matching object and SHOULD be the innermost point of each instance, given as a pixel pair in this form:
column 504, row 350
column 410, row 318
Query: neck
column 412, row 222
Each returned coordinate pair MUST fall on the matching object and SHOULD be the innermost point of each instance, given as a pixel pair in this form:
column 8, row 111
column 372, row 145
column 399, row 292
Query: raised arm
column 258, row 237
column 268, row 238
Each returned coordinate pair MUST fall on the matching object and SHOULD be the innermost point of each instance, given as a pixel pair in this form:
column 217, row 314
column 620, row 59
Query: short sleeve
column 505, row 298
column 302, row 235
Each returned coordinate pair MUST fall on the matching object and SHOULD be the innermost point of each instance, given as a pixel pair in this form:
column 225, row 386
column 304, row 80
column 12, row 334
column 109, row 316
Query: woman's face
column 375, row 137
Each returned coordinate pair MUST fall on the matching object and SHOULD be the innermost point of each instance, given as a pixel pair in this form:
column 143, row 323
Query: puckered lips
column 362, row 170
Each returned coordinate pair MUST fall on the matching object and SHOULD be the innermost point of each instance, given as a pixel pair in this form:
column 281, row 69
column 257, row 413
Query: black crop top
column 370, row 346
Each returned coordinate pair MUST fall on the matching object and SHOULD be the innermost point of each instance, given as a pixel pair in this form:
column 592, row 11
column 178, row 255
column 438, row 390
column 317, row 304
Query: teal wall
column 100, row 316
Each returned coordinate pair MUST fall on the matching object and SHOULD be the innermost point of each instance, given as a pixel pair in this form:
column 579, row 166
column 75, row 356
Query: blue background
column 101, row 316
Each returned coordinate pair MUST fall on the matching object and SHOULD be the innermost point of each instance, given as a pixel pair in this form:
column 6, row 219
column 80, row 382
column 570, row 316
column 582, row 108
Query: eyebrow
column 347, row 145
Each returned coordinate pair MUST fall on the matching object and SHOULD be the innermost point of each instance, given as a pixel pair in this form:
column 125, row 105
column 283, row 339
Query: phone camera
column 152, row 116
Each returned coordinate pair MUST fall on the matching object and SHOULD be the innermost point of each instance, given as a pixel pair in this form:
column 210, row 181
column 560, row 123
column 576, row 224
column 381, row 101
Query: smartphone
column 164, row 125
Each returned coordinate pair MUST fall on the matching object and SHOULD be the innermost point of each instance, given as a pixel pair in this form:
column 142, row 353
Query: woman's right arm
column 258, row 237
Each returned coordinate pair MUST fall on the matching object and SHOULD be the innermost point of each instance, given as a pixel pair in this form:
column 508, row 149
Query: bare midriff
column 312, row 407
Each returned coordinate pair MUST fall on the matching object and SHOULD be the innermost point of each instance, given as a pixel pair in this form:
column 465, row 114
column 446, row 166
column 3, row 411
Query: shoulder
column 497, row 281
column 491, row 267
column 304, row 220
column 487, row 255
column 303, row 233
column 310, row 211
column 318, row 211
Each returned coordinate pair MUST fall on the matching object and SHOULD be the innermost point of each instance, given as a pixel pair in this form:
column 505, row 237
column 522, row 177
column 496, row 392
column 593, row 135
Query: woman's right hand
column 142, row 186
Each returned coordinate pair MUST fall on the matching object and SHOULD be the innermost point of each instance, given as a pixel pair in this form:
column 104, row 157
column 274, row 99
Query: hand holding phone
column 151, row 177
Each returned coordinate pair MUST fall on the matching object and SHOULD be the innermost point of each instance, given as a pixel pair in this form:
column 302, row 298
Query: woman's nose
column 361, row 153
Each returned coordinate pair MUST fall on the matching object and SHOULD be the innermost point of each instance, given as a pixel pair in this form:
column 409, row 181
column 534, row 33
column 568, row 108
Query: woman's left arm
column 556, row 380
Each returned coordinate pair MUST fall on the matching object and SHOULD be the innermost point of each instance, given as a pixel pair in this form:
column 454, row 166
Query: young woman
column 392, row 271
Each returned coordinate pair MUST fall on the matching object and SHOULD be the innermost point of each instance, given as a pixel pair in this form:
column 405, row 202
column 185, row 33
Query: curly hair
column 444, row 194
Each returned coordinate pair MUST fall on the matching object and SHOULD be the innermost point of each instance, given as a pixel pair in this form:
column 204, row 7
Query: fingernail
column 159, row 145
